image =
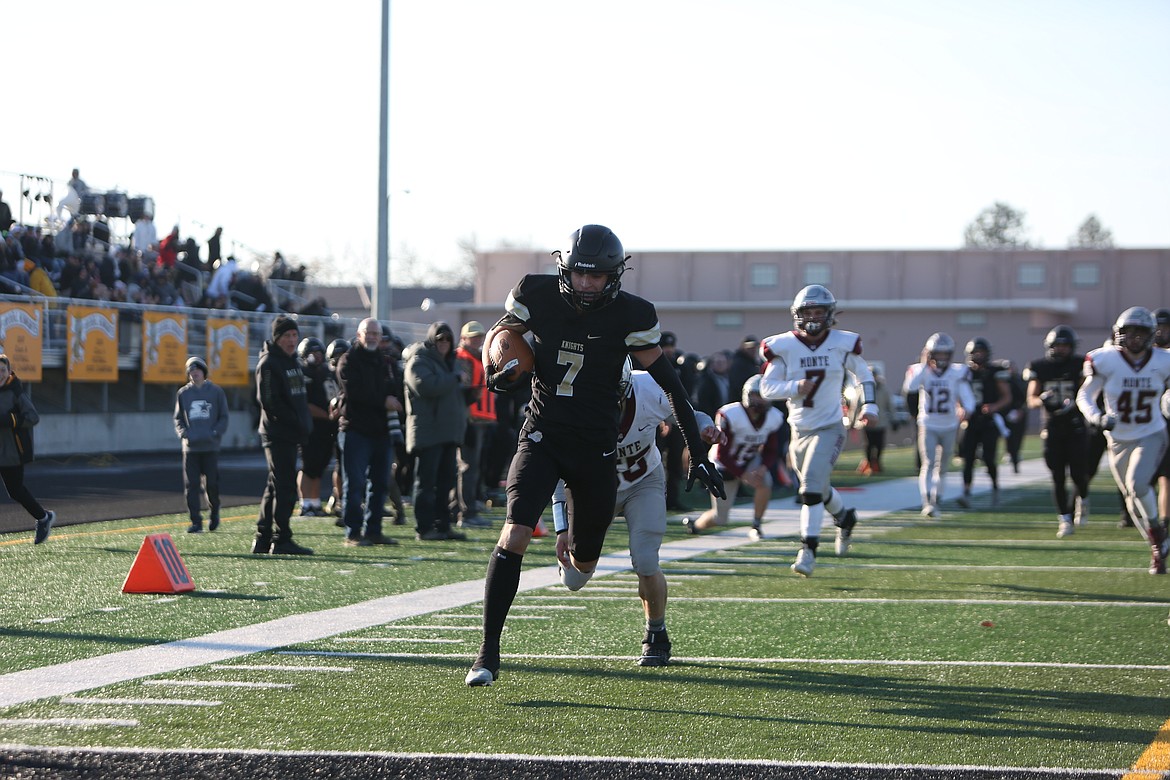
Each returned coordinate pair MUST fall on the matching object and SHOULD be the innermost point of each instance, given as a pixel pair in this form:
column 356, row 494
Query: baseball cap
column 472, row 328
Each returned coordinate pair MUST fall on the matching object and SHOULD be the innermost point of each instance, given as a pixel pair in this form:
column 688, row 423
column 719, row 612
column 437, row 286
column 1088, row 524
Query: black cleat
column 43, row 526
column 289, row 547
column 655, row 649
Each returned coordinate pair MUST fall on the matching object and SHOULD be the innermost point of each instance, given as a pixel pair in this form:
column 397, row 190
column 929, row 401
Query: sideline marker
column 158, row 568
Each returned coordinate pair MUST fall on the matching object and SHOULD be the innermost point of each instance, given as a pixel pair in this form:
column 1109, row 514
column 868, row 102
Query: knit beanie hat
column 197, row 362
column 282, row 325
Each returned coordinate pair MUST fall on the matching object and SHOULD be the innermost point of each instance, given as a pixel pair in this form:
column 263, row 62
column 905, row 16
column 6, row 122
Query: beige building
column 895, row 299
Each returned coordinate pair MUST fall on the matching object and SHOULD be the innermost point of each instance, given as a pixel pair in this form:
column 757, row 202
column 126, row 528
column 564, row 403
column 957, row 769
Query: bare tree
column 1091, row 235
column 997, row 227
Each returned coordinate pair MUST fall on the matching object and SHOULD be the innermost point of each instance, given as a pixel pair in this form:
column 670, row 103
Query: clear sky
column 737, row 124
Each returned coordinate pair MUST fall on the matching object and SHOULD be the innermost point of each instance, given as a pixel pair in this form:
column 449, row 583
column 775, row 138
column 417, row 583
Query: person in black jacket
column 17, row 417
column 364, row 436
column 284, row 426
column 745, row 363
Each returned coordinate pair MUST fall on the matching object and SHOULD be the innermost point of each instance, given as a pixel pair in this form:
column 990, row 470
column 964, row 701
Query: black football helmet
column 813, row 296
column 978, row 351
column 336, row 349
column 940, row 350
column 1134, row 330
column 1162, row 331
column 593, row 249
column 1061, row 334
column 308, row 346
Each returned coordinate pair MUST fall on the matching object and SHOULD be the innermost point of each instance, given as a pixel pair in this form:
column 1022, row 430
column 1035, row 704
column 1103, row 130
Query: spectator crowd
column 84, row 259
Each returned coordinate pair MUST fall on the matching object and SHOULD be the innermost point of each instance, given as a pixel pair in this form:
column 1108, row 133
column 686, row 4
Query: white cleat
column 1065, row 528
column 930, row 511
column 805, row 560
column 1080, row 511
column 480, row 677
column 844, row 539
column 755, row 534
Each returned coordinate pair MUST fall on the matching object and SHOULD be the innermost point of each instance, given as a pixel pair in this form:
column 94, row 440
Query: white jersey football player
column 945, row 398
column 750, row 455
column 641, row 499
column 1134, row 379
column 808, row 365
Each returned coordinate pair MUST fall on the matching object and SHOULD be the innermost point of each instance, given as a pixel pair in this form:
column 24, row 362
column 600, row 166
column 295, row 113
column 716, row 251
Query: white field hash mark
column 218, row 684
column 280, row 668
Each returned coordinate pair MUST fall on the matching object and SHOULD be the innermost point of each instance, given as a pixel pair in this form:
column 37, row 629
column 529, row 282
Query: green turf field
column 978, row 640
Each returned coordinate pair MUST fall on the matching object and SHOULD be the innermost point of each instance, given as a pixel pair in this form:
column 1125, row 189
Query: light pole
column 382, row 302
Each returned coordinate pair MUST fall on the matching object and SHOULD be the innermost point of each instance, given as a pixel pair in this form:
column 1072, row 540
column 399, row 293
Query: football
column 510, row 354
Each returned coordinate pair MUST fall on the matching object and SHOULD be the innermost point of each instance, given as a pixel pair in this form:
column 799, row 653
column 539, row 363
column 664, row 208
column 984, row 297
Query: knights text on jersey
column 745, row 439
column 1062, row 377
column 638, row 452
column 790, row 360
column 940, row 394
column 1132, row 393
column 579, row 355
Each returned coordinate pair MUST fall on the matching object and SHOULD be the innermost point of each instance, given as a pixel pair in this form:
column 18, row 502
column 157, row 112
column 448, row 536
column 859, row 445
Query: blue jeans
column 367, row 469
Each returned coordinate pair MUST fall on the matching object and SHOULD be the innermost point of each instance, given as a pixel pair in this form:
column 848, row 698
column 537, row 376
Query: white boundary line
column 71, row 677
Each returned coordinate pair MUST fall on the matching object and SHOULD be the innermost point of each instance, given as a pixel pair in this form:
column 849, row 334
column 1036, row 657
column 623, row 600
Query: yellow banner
column 93, row 344
column 20, row 338
column 227, row 352
column 164, row 348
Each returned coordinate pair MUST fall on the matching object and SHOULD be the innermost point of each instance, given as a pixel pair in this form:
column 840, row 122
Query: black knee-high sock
column 499, row 590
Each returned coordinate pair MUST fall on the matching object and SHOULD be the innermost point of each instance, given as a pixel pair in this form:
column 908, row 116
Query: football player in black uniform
column 318, row 447
column 993, row 395
column 1162, row 475
column 1052, row 386
column 583, row 326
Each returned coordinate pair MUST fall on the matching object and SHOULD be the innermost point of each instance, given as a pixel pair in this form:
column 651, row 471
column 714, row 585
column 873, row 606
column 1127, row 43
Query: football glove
column 1105, row 422
column 703, row 471
column 498, row 382
column 1056, row 405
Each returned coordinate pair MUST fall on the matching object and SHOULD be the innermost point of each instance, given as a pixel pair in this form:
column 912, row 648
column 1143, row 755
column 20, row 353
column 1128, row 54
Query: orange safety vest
column 482, row 409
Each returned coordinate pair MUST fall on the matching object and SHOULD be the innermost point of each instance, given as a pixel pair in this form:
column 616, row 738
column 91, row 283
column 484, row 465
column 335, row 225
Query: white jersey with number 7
column 790, row 360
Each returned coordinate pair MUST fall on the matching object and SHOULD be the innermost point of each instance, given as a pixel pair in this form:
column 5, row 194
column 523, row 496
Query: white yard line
column 142, row 702
column 71, row 677
column 754, row 660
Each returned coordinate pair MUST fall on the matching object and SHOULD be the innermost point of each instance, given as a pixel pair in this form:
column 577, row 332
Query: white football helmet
column 626, row 383
column 940, row 349
column 812, row 297
column 1134, row 329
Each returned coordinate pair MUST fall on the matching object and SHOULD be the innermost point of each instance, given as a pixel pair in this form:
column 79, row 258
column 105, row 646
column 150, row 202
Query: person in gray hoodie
column 201, row 418
column 436, row 420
